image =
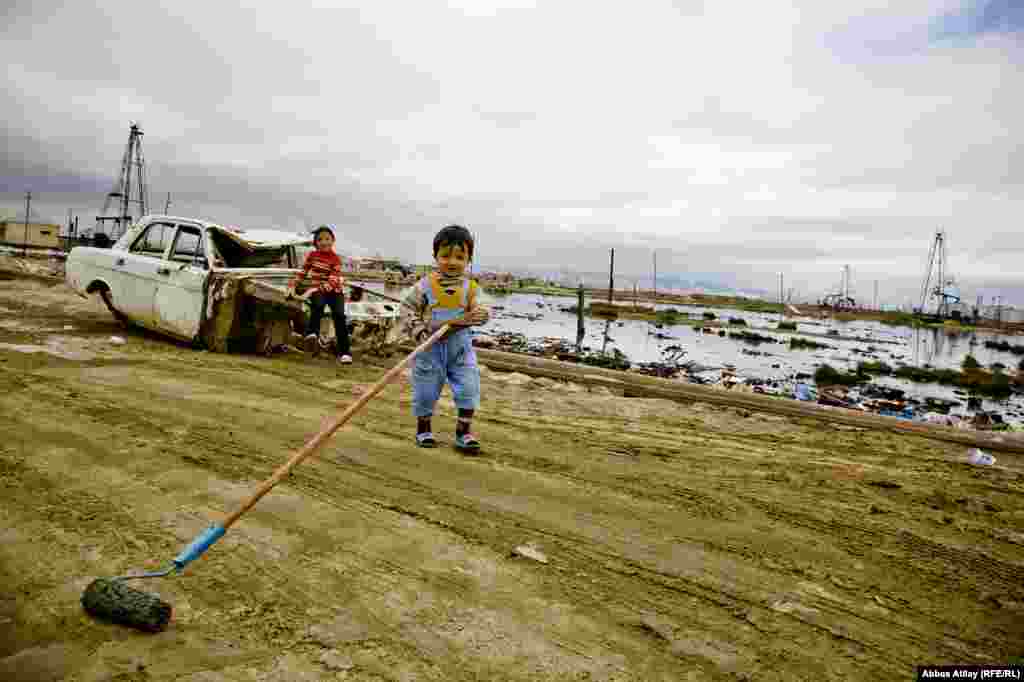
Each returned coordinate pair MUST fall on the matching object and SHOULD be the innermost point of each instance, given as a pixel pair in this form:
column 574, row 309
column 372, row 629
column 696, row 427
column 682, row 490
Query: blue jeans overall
column 451, row 359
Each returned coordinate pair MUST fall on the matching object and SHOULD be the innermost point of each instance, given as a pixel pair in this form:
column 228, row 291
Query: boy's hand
column 420, row 332
column 475, row 316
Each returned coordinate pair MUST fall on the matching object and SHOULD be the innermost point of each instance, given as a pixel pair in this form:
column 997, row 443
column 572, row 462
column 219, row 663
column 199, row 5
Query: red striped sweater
column 322, row 270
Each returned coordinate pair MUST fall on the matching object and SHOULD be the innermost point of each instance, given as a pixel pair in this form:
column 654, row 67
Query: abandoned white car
column 223, row 288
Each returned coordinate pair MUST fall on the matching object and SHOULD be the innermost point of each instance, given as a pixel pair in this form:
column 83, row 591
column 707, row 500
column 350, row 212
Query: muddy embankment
column 671, row 540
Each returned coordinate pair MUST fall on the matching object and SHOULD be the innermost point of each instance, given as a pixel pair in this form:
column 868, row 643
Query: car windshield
column 234, row 255
column 263, row 258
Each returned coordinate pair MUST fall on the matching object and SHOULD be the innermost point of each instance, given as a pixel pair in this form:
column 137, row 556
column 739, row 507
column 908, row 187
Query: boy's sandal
column 426, row 440
column 467, row 442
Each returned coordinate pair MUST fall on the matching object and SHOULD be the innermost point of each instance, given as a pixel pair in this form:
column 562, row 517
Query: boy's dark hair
column 323, row 228
column 454, row 235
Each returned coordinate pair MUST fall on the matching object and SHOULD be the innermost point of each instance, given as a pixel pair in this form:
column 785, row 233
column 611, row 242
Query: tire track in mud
column 606, row 581
column 237, row 589
column 861, row 540
column 935, row 564
column 581, row 552
column 384, row 569
column 825, row 530
column 227, row 574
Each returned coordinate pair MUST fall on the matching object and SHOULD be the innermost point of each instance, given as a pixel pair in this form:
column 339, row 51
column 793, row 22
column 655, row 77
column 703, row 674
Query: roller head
column 114, row 601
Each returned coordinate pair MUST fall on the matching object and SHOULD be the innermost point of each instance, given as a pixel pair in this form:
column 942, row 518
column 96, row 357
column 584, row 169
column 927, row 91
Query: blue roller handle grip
column 202, row 543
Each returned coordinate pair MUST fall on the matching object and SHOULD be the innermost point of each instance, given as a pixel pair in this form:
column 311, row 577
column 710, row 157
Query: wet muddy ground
column 682, row 542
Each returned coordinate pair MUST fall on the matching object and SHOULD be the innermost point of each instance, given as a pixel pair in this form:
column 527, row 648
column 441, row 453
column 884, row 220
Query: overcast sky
column 743, row 139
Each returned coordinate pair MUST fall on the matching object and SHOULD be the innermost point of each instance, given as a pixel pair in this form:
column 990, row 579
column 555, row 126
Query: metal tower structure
column 129, row 189
column 944, row 282
column 842, row 299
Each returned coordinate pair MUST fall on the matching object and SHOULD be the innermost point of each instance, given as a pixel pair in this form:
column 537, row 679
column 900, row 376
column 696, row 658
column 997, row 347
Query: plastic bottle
column 976, row 456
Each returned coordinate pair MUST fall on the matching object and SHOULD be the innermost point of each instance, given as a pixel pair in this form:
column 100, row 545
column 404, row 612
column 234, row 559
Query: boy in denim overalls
column 447, row 295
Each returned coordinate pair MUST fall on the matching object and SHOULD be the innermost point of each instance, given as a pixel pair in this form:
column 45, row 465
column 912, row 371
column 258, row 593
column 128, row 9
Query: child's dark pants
column 336, row 302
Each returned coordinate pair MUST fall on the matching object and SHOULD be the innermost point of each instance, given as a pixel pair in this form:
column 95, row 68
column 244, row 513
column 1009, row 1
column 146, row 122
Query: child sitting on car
column 321, row 274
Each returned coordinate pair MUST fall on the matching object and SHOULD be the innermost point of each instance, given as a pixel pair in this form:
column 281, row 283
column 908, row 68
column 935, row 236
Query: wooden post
column 611, row 277
column 579, row 319
column 28, row 204
column 634, row 295
column 782, row 300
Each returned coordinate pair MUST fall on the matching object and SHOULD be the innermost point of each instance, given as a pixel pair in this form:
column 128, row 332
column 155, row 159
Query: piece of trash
column 68, row 327
column 530, row 553
column 886, row 484
column 976, row 456
column 118, row 340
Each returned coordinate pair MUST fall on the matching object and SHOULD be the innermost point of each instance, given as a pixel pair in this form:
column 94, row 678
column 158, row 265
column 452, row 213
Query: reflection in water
column 940, row 347
column 607, row 337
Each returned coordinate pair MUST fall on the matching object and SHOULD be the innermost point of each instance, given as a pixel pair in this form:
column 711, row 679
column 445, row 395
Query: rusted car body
column 220, row 287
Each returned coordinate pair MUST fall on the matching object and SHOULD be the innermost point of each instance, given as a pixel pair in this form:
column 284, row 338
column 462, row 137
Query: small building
column 37, row 235
column 499, row 278
column 1002, row 313
column 380, row 264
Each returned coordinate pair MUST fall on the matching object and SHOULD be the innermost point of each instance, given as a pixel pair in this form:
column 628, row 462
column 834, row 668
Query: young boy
column 447, row 295
column 323, row 271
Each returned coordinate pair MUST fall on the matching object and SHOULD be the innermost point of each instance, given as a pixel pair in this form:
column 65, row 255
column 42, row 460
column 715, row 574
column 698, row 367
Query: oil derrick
column 841, row 299
column 129, row 189
column 944, row 291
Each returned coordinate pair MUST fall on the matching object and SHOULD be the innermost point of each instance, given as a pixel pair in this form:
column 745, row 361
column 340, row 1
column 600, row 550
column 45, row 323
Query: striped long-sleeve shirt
column 322, row 270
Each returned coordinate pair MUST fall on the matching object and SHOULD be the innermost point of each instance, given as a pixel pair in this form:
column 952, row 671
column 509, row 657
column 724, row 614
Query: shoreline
column 624, row 304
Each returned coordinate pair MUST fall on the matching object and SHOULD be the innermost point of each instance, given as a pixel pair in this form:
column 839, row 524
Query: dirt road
column 683, row 542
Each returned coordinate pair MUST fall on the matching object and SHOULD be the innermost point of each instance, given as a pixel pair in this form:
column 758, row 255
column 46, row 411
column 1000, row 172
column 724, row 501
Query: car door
column 140, row 272
column 179, row 294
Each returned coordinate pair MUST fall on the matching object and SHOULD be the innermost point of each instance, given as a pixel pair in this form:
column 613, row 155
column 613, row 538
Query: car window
column 154, row 241
column 188, row 247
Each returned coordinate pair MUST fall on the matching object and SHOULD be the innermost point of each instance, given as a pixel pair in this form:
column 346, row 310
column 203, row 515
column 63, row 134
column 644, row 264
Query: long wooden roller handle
column 319, row 439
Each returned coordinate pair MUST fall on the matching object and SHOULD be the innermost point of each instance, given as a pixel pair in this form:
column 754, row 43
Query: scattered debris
column 334, row 660
column 888, row 485
column 529, row 552
column 980, row 457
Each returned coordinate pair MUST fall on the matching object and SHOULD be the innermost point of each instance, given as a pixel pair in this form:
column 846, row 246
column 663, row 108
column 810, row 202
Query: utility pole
column 655, row 277
column 28, row 205
column 782, row 302
column 167, row 206
column 611, row 276
column 876, row 294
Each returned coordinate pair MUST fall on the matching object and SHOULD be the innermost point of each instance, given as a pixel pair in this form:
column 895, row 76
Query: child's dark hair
column 322, row 228
column 454, row 235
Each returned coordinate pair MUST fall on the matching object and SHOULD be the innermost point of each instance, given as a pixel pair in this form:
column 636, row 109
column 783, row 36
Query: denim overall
column 450, row 359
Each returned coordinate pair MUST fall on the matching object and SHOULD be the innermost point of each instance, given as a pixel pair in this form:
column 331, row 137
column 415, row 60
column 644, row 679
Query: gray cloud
column 807, row 137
